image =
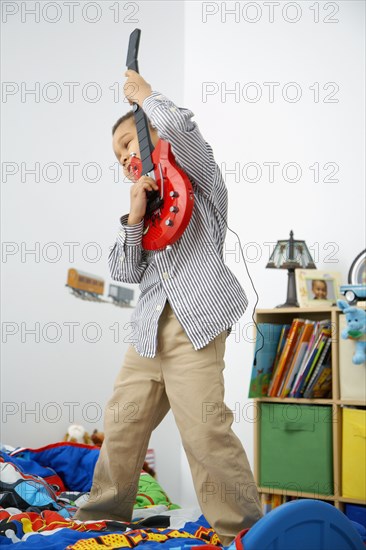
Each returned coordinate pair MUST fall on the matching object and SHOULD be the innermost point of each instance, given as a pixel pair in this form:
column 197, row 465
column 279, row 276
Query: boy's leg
column 137, row 406
column 221, row 473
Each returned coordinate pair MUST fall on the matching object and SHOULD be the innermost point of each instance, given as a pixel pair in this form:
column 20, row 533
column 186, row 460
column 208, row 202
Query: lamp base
column 291, row 298
column 289, row 304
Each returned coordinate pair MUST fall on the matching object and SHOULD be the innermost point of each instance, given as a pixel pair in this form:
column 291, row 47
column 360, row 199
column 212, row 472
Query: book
column 276, row 501
column 298, row 357
column 281, row 343
column 323, row 386
column 310, row 364
column 310, row 361
column 289, row 362
column 266, row 503
column 323, row 362
column 326, row 362
column 267, row 349
column 287, row 352
column 319, row 347
column 317, row 328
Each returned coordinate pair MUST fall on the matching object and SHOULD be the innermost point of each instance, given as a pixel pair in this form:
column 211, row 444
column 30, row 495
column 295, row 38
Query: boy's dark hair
column 126, row 116
column 318, row 281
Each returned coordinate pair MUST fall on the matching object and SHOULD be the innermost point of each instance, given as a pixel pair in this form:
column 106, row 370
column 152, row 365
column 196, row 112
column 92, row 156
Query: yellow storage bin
column 352, row 377
column 354, row 453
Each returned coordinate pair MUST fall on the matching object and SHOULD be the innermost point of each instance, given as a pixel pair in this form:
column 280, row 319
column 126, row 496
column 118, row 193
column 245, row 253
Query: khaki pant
column 191, row 383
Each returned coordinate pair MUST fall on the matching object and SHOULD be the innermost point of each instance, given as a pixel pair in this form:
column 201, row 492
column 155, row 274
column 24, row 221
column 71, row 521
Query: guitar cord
column 196, row 188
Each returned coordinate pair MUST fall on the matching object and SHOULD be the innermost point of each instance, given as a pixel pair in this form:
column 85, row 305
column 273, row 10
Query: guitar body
column 168, row 209
column 164, row 226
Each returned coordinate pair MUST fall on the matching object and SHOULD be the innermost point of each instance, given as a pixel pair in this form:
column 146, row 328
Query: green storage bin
column 296, row 448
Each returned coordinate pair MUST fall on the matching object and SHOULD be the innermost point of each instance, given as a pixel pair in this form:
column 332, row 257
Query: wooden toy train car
column 120, row 295
column 91, row 287
column 84, row 284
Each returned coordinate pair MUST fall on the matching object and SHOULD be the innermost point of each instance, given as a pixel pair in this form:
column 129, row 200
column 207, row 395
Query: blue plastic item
column 355, row 512
column 360, row 529
column 304, row 524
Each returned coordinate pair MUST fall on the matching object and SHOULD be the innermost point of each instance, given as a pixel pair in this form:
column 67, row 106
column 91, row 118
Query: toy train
column 91, row 287
column 120, row 294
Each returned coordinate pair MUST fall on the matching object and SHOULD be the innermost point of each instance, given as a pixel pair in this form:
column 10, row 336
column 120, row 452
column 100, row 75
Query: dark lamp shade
column 291, row 254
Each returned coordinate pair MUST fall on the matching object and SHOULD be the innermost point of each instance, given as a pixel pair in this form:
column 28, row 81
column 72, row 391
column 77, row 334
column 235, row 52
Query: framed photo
column 357, row 272
column 317, row 288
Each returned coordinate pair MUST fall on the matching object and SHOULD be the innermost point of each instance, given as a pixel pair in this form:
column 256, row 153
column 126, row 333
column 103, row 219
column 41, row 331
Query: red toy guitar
column 169, row 209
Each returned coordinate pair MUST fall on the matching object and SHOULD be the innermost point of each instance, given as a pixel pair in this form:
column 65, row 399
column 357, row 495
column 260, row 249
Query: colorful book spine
column 299, row 356
column 310, row 365
column 266, row 503
column 286, row 354
column 309, row 349
column 269, row 502
column 290, row 361
column 319, row 350
column 265, row 352
column 280, row 346
column 322, row 363
column 276, row 501
column 323, row 386
column 317, row 328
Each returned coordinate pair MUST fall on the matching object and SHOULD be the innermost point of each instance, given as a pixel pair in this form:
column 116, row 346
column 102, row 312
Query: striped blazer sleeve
column 126, row 259
column 174, row 125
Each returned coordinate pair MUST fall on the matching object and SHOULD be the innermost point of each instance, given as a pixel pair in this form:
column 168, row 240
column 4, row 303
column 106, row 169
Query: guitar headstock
column 133, row 50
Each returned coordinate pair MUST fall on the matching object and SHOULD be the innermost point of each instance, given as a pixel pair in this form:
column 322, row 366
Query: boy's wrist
column 131, row 233
column 133, row 220
column 141, row 96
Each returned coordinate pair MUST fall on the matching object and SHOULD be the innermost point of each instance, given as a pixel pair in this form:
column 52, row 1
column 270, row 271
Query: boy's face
column 320, row 289
column 125, row 142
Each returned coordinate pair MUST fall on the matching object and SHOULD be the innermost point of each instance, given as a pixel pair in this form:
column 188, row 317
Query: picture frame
column 357, row 271
column 317, row 288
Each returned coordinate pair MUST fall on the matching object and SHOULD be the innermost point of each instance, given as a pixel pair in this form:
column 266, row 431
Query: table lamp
column 289, row 255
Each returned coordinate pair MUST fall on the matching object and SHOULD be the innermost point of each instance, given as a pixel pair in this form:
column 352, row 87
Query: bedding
column 41, row 489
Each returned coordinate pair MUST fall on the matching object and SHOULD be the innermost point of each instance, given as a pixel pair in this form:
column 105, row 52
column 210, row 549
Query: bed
column 41, row 489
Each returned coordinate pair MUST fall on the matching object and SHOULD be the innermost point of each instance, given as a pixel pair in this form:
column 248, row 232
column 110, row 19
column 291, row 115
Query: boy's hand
column 136, row 89
column 139, row 199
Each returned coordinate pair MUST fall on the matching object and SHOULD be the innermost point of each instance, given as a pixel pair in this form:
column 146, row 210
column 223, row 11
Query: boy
column 320, row 289
column 188, row 303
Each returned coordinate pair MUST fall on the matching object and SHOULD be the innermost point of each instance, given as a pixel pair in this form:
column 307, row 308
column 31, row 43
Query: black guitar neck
column 143, row 134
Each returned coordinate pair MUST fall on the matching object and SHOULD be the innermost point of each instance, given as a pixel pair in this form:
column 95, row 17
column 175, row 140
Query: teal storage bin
column 296, row 448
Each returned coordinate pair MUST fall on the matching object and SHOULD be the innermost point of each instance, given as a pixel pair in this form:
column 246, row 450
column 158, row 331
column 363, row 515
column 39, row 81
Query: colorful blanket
column 41, row 489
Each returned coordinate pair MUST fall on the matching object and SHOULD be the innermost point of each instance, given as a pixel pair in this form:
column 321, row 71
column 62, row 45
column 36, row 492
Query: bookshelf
column 286, row 315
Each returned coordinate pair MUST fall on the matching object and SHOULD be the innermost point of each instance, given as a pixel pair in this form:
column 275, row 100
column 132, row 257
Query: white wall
column 179, row 52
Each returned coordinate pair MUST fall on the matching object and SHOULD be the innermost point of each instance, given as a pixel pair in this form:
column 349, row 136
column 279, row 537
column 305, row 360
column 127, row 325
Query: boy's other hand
column 139, row 199
column 136, row 89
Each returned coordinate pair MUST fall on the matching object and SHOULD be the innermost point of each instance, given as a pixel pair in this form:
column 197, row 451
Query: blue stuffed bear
column 356, row 329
